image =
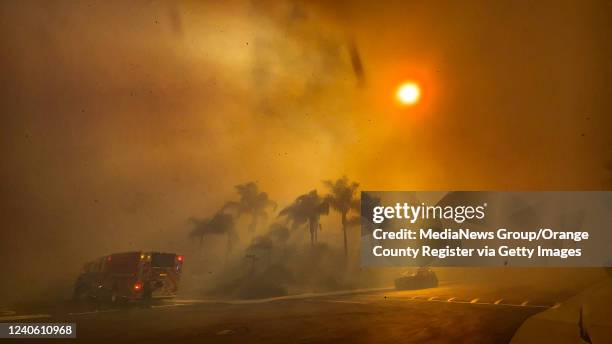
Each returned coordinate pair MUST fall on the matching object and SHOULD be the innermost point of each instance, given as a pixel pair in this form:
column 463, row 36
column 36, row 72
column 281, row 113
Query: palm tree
column 306, row 209
column 342, row 199
column 220, row 223
column 199, row 229
column 252, row 202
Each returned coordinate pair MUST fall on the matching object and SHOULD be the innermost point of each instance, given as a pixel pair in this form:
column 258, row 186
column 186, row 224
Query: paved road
column 447, row 314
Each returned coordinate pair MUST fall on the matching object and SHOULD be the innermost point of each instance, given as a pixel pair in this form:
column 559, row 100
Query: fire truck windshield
column 163, row 260
column 123, row 262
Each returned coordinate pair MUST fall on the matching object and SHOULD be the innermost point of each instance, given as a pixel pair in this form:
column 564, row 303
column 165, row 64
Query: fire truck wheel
column 114, row 297
column 79, row 294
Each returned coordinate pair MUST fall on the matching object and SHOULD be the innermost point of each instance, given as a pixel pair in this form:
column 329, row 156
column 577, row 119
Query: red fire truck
column 130, row 276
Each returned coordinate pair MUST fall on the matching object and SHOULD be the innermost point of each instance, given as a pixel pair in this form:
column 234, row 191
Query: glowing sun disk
column 408, row 93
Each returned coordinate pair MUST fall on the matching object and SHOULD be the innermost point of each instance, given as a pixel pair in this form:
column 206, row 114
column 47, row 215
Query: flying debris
column 357, row 64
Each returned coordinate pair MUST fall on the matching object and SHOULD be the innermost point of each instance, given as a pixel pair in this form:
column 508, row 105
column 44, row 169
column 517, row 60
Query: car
column 130, row 276
column 423, row 278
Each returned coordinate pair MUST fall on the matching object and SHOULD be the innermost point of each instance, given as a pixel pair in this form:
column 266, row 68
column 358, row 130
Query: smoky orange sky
column 120, row 120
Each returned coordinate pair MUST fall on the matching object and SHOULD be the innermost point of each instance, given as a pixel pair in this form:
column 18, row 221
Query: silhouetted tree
column 306, row 209
column 342, row 199
column 220, row 223
column 252, row 202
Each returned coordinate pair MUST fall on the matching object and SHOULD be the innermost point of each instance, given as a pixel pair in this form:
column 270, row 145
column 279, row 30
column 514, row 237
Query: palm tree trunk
column 344, row 232
column 313, row 232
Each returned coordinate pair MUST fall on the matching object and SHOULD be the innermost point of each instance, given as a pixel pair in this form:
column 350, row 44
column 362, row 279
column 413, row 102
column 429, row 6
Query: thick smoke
column 123, row 120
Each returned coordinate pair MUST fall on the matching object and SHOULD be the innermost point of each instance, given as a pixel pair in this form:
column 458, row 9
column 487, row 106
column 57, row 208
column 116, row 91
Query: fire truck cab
column 130, row 276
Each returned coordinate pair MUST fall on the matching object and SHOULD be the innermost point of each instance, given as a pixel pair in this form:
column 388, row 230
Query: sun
column 408, row 93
